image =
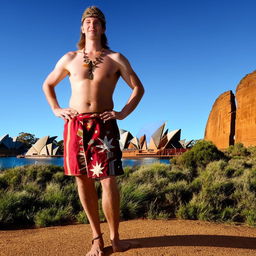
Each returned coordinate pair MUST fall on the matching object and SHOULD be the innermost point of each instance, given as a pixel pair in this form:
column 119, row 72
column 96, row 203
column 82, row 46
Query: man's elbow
column 46, row 86
column 141, row 90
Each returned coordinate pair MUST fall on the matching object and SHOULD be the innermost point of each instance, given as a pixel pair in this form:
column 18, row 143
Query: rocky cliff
column 233, row 119
column 246, row 111
column 220, row 128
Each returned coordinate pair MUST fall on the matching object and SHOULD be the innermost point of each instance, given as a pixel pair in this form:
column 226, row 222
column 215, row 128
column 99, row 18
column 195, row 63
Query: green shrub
column 195, row 185
column 71, row 193
column 202, row 153
column 128, row 170
column 237, row 150
column 28, row 191
column 12, row 178
column 153, row 210
column 188, row 211
column 82, row 218
column 53, row 216
column 17, row 209
column 252, row 151
column 44, row 176
column 252, row 181
column 230, row 214
column 162, row 215
column 208, row 212
column 230, row 172
column 61, row 178
column 54, row 196
column 250, row 216
column 150, row 174
column 134, row 200
column 32, row 188
column 176, row 195
column 215, row 196
column 177, row 175
column 239, row 165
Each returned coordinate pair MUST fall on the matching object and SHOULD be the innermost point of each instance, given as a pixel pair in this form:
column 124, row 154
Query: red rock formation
column 220, row 127
column 246, row 110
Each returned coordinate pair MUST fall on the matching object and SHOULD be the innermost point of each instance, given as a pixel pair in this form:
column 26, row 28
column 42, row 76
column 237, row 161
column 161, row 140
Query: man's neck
column 92, row 46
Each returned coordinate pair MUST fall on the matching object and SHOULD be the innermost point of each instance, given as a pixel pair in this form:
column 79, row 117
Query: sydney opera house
column 46, row 146
column 163, row 143
column 10, row 146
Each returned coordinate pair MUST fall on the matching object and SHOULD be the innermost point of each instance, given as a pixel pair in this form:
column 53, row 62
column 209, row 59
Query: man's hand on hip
column 107, row 115
column 65, row 113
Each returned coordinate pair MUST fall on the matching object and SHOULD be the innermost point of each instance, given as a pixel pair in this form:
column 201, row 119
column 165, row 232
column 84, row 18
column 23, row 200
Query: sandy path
column 157, row 237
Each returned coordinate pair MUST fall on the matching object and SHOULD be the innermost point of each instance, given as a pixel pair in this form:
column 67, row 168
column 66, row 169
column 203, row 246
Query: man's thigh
column 84, row 180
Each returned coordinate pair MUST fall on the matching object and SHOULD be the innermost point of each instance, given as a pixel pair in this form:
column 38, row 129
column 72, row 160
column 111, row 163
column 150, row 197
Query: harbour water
column 10, row 162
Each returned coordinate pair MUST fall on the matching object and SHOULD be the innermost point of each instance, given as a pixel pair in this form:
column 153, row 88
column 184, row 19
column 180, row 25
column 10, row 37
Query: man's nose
column 92, row 25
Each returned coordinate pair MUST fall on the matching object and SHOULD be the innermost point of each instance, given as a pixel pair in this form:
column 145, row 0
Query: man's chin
column 93, row 37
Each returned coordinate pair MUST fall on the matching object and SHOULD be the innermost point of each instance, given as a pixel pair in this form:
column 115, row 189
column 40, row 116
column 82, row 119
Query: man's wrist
column 121, row 115
column 56, row 108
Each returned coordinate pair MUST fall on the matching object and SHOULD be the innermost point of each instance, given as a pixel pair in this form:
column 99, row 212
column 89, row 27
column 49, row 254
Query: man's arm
column 133, row 81
column 58, row 74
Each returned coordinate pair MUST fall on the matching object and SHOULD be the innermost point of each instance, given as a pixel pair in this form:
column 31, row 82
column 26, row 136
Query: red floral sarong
column 91, row 147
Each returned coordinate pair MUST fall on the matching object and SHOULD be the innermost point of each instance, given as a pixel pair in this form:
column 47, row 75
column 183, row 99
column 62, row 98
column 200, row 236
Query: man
column 91, row 148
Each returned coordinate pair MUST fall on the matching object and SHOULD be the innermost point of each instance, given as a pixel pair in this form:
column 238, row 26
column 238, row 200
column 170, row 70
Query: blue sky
column 185, row 52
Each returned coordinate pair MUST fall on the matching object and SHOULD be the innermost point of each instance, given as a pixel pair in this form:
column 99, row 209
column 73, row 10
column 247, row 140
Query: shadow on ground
column 192, row 240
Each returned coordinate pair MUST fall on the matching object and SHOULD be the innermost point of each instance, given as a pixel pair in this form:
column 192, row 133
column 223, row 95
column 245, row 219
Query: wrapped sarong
column 91, row 147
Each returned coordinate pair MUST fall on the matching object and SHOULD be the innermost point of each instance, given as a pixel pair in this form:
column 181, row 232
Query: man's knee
column 109, row 183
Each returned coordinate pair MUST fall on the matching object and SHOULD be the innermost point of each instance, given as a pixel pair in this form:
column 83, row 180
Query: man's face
column 92, row 28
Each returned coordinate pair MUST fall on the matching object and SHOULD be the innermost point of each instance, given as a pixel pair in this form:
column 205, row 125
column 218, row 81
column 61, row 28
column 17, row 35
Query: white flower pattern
column 97, row 169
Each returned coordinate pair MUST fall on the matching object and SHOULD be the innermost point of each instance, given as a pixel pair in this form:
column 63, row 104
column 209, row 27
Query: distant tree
column 27, row 138
column 61, row 146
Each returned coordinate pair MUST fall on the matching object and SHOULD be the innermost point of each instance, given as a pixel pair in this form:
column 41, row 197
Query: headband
column 93, row 11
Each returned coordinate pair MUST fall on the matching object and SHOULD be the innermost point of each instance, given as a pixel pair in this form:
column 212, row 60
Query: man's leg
column 111, row 208
column 89, row 200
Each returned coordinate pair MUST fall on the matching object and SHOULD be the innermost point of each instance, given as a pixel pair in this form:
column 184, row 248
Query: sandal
column 98, row 237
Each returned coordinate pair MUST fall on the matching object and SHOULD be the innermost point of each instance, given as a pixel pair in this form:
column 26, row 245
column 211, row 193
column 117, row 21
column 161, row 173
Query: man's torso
column 92, row 95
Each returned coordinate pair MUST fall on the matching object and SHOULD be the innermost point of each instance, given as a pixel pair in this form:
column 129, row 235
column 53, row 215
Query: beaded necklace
column 92, row 64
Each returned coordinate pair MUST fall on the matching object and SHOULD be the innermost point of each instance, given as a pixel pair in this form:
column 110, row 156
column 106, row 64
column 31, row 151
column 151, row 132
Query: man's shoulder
column 117, row 56
column 66, row 59
column 70, row 55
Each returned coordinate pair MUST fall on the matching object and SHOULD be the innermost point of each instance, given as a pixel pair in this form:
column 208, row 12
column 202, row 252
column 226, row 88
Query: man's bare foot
column 120, row 246
column 97, row 247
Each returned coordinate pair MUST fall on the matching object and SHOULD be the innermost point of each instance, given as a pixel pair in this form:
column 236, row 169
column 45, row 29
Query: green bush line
column 203, row 183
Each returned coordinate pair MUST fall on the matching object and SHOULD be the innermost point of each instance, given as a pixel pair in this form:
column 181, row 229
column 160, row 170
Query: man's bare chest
column 105, row 69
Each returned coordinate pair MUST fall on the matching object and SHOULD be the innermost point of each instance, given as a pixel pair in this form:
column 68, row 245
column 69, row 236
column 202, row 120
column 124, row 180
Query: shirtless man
column 93, row 72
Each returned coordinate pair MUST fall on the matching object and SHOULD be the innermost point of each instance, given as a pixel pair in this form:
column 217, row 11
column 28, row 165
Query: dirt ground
column 156, row 237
